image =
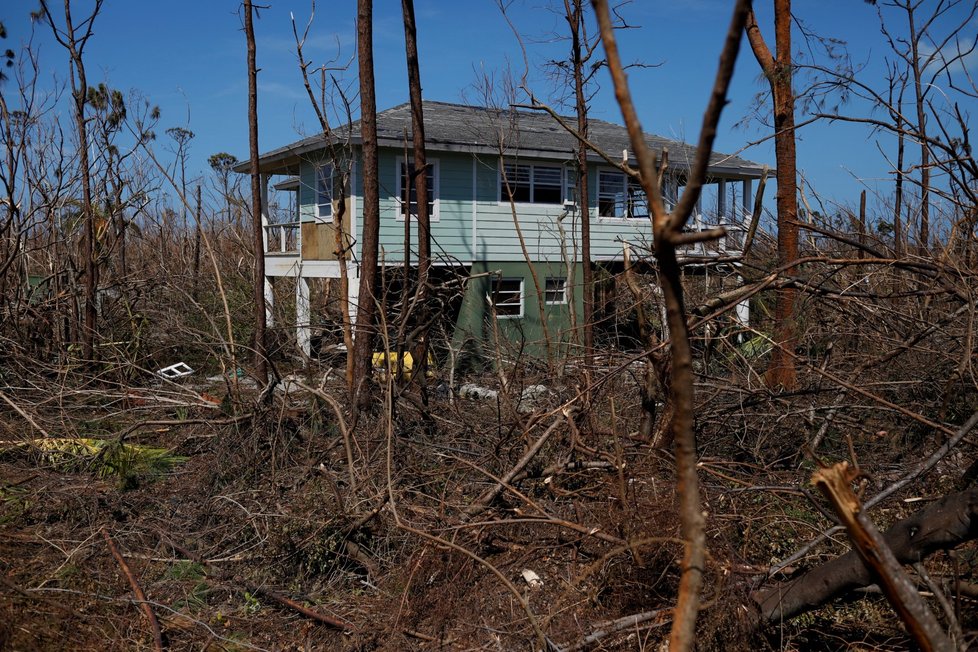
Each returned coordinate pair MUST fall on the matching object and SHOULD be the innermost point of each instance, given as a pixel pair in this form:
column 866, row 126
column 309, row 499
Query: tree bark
column 575, row 17
column 197, row 238
column 942, row 525
column 668, row 234
column 366, row 309
column 261, row 347
column 419, row 348
column 782, row 372
column 898, row 196
column 920, row 102
column 835, row 483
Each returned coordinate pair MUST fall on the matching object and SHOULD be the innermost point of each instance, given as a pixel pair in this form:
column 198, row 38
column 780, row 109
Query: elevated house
column 495, row 177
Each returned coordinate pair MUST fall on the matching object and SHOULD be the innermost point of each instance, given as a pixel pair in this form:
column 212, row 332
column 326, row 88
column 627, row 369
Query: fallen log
column 835, row 483
column 944, row 524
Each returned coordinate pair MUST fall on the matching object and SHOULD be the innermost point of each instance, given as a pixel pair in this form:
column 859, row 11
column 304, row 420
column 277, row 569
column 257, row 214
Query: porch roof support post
column 722, row 201
column 722, row 217
column 747, row 199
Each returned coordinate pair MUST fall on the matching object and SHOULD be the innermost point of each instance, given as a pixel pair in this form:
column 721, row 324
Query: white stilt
column 303, row 329
column 269, row 302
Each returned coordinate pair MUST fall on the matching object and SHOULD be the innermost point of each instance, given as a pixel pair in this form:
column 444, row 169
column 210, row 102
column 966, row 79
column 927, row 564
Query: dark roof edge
column 282, row 160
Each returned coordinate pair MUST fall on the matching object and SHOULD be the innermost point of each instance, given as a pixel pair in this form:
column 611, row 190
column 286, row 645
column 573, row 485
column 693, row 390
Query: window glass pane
column 409, row 192
column 611, row 194
column 547, row 195
column 515, row 182
column 324, row 190
column 556, row 290
column 518, row 174
column 547, row 186
column 507, row 296
column 638, row 204
column 546, row 176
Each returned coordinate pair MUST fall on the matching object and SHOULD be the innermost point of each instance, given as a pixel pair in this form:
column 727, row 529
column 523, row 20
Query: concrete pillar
column 353, row 296
column 743, row 308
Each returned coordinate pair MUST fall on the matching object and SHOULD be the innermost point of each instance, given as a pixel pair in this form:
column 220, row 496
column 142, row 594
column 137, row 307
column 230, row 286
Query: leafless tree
column 581, row 53
column 777, row 68
column 668, row 233
column 341, row 158
column 181, row 137
column 419, row 170
column 366, row 308
column 261, row 345
column 74, row 38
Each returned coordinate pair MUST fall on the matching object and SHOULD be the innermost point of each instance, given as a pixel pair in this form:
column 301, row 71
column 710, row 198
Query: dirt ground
column 248, row 509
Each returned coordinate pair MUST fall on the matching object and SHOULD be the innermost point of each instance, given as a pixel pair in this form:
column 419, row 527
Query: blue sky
column 189, row 58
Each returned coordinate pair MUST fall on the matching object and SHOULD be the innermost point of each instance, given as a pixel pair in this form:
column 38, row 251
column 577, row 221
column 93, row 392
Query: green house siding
column 475, row 226
column 483, row 229
column 451, row 232
column 541, row 224
column 478, row 327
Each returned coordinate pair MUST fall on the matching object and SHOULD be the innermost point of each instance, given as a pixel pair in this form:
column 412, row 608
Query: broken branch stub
column 835, row 483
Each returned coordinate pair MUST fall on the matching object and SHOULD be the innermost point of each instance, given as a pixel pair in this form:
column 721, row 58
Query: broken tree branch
column 942, row 525
column 483, row 501
column 835, row 483
column 137, row 591
column 295, row 606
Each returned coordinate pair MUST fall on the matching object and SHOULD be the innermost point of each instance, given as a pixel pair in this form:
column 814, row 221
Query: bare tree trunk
column 420, row 348
column 341, row 241
column 366, row 310
column 261, row 348
column 898, row 198
column 197, row 237
column 575, row 17
column 920, row 102
column 418, row 139
column 942, row 525
column 782, row 372
column 342, row 165
column 835, row 483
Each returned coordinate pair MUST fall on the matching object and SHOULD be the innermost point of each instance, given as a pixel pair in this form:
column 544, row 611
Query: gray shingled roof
column 463, row 128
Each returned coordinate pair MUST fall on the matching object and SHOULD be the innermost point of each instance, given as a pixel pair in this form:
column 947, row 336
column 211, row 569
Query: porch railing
column 282, row 238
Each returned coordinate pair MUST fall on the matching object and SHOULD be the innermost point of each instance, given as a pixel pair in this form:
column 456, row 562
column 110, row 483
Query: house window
column 620, row 196
column 324, row 191
column 407, row 193
column 555, row 292
column 507, row 297
column 532, row 184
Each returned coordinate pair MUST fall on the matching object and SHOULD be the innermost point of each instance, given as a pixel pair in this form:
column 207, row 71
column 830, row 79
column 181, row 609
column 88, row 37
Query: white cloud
column 959, row 56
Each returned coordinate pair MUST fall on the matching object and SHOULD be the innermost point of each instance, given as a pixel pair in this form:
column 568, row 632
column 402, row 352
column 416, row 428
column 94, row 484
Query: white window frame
column 504, row 195
column 434, row 190
column 522, row 295
column 562, row 281
column 319, row 189
column 630, row 185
